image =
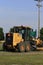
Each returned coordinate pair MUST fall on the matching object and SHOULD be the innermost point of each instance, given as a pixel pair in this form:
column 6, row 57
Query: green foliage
column 41, row 34
column 1, row 34
column 1, row 29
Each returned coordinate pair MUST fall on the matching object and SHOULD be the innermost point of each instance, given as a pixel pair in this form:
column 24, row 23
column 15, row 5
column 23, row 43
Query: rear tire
column 33, row 46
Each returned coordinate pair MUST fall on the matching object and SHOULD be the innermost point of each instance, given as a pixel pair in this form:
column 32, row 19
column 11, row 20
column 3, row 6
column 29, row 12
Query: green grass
column 14, row 58
column 9, row 58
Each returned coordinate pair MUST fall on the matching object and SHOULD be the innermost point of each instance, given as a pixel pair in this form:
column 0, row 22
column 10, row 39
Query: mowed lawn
column 15, row 58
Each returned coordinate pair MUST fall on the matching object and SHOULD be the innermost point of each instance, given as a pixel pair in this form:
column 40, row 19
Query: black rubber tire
column 4, row 46
column 21, row 47
column 34, row 47
column 27, row 46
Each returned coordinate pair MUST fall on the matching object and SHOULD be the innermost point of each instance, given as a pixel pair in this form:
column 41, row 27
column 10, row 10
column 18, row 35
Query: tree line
column 12, row 30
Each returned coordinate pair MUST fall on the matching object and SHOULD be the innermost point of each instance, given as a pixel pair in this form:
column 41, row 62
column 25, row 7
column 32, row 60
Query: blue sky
column 19, row 12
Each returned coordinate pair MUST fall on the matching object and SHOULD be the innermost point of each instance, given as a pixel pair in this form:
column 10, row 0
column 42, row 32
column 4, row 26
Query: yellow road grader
column 22, row 39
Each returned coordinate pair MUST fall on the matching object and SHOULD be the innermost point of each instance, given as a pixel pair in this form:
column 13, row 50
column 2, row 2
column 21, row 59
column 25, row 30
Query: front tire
column 21, row 47
column 27, row 46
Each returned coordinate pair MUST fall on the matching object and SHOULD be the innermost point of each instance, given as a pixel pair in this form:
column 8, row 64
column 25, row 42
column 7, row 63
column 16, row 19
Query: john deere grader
column 22, row 39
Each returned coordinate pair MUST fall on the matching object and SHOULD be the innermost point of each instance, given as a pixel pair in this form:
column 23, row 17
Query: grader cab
column 20, row 40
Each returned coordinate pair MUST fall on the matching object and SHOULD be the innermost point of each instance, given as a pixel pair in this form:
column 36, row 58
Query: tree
column 41, row 33
column 1, row 34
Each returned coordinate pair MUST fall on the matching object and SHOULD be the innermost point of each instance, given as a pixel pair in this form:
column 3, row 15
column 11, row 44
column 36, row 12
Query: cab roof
column 22, row 27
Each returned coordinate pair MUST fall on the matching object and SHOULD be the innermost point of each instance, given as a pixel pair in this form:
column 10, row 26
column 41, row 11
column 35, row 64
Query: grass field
column 15, row 58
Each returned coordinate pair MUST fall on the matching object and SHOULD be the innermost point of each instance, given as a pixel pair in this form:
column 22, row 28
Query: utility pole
column 39, row 5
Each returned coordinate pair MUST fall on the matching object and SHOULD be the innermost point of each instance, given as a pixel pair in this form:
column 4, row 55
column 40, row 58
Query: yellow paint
column 17, row 38
column 38, row 41
column 40, row 48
